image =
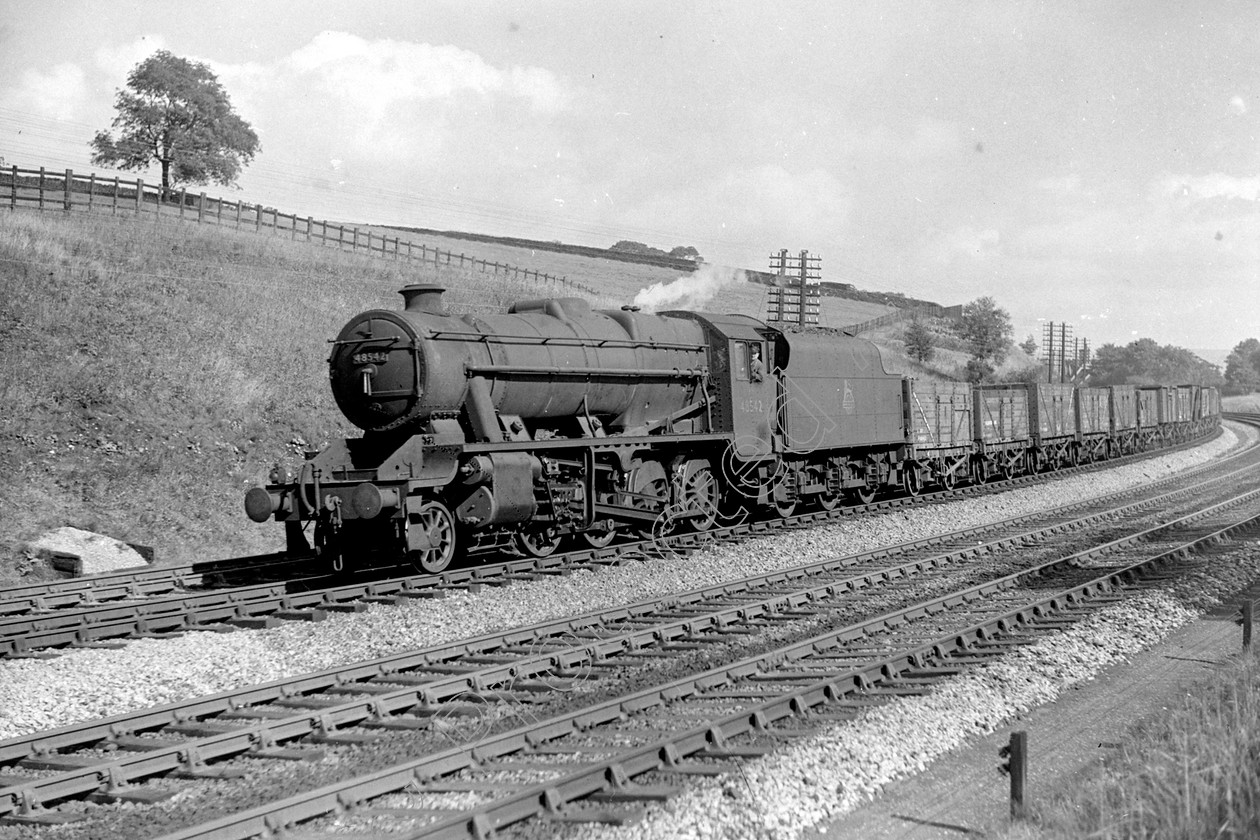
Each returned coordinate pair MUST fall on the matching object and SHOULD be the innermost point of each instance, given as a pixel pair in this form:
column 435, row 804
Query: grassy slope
column 152, row 373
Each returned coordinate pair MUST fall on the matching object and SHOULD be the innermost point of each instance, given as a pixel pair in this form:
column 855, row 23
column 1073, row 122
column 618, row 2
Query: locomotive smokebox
column 423, row 297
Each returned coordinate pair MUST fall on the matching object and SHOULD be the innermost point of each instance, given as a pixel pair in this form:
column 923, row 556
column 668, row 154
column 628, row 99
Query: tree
column 1143, row 362
column 1242, row 367
column 1029, row 346
column 987, row 329
column 919, row 340
column 174, row 112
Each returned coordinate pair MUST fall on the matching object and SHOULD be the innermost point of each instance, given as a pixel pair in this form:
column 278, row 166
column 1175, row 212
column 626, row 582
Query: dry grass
column 1192, row 772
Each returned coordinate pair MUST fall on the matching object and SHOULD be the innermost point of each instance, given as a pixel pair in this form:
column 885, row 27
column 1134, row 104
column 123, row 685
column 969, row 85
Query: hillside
column 621, row 280
column 153, row 373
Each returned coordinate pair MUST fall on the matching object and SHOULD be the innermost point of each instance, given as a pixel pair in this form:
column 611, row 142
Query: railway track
column 103, row 609
column 470, row 684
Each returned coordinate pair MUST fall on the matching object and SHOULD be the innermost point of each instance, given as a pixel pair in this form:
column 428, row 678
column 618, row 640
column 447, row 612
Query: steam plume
column 691, row 291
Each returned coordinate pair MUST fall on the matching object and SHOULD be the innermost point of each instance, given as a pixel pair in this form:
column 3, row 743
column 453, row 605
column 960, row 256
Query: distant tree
column 1029, row 346
column 629, row 246
column 1144, row 362
column 987, row 329
column 919, row 340
column 686, row 252
column 174, row 112
column 1242, row 367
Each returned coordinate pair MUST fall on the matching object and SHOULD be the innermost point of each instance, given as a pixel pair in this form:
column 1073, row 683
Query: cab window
column 739, row 361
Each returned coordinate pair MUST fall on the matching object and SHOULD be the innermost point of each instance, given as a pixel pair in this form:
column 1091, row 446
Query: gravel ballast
column 37, row 694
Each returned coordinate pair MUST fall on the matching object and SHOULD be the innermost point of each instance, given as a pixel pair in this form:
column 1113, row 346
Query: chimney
column 423, row 297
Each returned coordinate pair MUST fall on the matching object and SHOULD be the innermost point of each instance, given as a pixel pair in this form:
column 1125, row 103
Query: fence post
column 238, row 215
column 67, row 197
column 13, row 195
column 139, row 196
column 201, row 209
column 41, row 188
column 1016, row 755
column 91, row 189
column 257, row 218
column 310, row 223
column 1248, row 618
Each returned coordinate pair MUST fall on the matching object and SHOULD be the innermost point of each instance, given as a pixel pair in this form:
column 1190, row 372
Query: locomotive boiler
column 469, row 424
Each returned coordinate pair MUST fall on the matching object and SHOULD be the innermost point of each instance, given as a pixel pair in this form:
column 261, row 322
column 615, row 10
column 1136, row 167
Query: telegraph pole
column 792, row 300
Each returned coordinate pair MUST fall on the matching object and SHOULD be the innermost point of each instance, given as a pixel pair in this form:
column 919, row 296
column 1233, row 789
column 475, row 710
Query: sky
column 1094, row 163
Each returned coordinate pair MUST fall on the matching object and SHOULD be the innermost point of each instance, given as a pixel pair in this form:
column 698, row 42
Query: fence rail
column 930, row 310
column 40, row 189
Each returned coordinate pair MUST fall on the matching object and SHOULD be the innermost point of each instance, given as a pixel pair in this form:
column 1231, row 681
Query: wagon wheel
column 785, row 507
column 829, row 499
column 863, row 495
column 1009, row 470
column 946, row 475
column 980, row 471
column 536, row 542
column 699, row 494
column 438, row 526
column 910, row 481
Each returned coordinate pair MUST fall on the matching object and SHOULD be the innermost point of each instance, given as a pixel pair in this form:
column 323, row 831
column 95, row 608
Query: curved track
column 465, row 688
column 96, row 610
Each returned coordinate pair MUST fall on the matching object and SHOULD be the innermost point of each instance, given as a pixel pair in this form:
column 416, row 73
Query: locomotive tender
column 554, row 420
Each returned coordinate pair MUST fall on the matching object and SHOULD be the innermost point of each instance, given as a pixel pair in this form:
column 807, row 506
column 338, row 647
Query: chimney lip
column 423, row 297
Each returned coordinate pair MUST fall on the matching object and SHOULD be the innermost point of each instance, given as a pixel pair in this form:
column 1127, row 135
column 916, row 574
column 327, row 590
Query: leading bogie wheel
column 600, row 537
column 536, row 542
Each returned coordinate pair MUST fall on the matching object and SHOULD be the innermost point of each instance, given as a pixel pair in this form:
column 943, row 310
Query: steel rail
column 263, row 605
column 386, row 701
column 708, row 740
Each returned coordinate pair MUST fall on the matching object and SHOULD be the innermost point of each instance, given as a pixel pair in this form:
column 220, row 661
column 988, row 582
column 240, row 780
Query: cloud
column 386, row 71
column 969, row 243
column 117, row 62
column 58, row 93
column 770, row 205
column 1066, row 185
column 1238, row 105
column 1214, row 185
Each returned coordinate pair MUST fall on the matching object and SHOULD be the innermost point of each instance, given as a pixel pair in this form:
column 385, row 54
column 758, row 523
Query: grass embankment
column 150, row 374
column 1192, row 772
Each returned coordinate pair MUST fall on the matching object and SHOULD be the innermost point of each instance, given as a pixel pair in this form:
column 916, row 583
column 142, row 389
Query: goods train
column 554, row 421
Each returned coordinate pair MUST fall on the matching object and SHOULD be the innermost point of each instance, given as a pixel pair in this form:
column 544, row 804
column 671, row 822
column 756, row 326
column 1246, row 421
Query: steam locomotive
column 554, row 421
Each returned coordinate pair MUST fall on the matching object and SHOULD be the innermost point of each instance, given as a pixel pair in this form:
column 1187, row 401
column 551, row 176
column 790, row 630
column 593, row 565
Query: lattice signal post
column 791, row 299
column 1066, row 356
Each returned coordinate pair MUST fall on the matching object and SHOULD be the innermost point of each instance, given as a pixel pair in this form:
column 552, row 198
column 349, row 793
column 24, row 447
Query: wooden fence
column 38, row 189
column 930, row 310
